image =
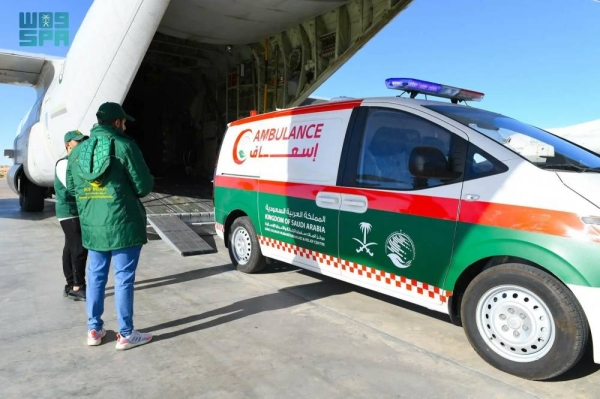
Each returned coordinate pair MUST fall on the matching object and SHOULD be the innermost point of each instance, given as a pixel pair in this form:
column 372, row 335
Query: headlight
column 591, row 220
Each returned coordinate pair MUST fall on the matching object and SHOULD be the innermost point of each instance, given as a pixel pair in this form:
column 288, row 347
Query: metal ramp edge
column 179, row 235
column 199, row 218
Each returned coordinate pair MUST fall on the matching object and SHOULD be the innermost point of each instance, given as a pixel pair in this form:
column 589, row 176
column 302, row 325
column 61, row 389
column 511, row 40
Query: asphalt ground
column 219, row 333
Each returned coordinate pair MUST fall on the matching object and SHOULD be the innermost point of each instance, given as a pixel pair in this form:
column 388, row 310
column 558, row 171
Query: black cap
column 112, row 111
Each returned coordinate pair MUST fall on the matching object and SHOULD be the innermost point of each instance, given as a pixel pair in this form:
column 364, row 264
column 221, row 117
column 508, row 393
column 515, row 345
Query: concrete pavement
column 284, row 333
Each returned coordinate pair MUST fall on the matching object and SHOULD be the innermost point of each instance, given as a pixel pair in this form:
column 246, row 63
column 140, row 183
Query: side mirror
column 430, row 163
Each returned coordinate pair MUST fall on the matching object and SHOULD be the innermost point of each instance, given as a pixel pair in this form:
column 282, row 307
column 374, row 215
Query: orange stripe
column 534, row 220
column 237, row 183
column 309, row 109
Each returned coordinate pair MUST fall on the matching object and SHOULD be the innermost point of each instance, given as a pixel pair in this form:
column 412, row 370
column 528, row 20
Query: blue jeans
column 125, row 263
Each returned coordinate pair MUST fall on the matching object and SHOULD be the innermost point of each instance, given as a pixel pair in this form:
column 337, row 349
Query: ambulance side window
column 388, row 138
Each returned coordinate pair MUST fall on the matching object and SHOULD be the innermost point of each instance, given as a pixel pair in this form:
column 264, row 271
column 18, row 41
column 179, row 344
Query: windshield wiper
column 563, row 166
column 569, row 166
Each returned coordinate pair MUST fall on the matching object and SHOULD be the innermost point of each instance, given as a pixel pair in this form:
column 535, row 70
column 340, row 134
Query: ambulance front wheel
column 524, row 321
column 244, row 249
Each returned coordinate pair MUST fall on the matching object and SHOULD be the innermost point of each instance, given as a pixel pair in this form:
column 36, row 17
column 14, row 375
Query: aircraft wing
column 20, row 68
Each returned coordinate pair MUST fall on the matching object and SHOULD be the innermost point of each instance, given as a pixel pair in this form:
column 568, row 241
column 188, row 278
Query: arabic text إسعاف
column 309, row 152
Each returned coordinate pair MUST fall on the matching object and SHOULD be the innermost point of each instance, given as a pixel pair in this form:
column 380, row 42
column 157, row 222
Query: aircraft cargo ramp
column 174, row 209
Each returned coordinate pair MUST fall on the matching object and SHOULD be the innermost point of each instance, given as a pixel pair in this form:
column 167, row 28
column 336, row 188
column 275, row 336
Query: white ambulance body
column 487, row 219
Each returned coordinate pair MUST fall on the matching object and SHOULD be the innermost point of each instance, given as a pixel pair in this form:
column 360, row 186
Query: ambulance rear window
column 539, row 147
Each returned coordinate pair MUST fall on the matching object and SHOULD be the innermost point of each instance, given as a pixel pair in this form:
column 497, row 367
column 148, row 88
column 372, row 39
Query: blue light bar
column 415, row 86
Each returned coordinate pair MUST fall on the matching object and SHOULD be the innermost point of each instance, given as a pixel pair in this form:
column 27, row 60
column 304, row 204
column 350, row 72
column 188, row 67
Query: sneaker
column 95, row 337
column 134, row 339
column 66, row 291
column 78, row 295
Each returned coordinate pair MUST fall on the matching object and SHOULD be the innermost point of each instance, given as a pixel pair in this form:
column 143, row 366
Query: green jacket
column 66, row 206
column 107, row 175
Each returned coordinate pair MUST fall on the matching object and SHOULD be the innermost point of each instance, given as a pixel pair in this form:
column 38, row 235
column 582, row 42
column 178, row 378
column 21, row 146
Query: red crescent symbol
column 236, row 159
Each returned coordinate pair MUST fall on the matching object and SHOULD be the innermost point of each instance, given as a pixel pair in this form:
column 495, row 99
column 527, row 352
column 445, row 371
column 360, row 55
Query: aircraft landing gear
column 32, row 196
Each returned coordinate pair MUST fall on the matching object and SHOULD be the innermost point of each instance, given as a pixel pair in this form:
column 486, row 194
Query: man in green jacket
column 107, row 175
column 74, row 254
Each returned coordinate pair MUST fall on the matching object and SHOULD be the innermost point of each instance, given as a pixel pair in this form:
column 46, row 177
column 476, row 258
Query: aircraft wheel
column 32, row 196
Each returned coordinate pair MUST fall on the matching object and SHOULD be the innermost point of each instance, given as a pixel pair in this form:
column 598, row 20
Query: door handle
column 354, row 203
column 471, row 197
column 328, row 200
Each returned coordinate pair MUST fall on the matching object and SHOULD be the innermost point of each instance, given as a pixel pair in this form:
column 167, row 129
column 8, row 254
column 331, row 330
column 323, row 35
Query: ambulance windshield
column 539, row 147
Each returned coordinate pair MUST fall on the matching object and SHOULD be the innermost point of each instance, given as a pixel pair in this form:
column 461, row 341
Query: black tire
column 244, row 249
column 516, row 325
column 32, row 196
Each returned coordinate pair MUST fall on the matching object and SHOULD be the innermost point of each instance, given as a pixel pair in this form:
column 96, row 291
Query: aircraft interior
column 206, row 68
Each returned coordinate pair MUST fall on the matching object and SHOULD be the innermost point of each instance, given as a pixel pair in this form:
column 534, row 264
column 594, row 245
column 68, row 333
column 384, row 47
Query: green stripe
column 228, row 200
column 294, row 228
column 432, row 240
column 573, row 261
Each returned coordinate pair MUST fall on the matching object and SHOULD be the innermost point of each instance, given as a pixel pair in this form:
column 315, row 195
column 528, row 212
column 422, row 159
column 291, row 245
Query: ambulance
column 457, row 209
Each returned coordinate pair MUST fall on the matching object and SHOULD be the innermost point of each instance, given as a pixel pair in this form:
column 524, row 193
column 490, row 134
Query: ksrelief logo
column 400, row 248
column 96, row 183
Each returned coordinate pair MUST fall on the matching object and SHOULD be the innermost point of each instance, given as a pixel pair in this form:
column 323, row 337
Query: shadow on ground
column 10, row 209
column 282, row 299
column 176, row 278
column 290, row 297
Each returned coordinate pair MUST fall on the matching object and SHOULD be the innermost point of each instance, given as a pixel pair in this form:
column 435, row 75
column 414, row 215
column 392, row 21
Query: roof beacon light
column 415, row 86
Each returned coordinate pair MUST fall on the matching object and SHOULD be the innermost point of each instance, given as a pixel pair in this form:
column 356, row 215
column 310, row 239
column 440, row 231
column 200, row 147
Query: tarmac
column 219, row 333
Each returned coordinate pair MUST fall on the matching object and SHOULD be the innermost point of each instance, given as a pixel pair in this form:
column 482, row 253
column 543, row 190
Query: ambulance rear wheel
column 524, row 321
column 244, row 249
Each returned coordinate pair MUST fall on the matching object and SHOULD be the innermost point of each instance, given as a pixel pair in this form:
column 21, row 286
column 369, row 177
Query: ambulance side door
column 397, row 230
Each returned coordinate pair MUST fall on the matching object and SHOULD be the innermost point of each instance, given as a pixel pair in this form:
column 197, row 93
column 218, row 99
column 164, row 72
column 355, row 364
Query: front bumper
column 589, row 298
column 220, row 229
